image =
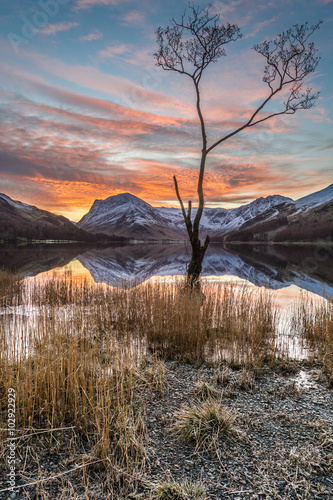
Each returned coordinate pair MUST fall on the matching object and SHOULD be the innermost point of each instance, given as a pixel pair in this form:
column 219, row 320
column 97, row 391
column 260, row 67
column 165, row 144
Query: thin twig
column 52, row 477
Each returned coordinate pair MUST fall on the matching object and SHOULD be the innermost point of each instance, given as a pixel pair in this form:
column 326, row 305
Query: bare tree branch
column 188, row 47
column 289, row 61
column 187, row 218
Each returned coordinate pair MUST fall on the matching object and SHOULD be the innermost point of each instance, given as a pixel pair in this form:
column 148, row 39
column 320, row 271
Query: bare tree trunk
column 195, row 266
column 198, row 250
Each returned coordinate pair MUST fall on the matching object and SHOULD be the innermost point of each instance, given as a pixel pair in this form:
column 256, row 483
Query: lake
column 287, row 269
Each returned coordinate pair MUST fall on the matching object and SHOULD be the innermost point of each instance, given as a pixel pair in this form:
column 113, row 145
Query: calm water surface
column 289, row 271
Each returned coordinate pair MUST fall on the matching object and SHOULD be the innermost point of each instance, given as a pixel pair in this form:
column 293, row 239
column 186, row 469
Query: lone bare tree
column 190, row 45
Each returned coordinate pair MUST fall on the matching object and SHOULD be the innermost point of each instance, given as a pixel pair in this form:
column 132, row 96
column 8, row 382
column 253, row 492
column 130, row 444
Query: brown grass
column 206, row 424
column 69, row 373
column 11, row 288
column 313, row 321
column 173, row 490
column 203, row 389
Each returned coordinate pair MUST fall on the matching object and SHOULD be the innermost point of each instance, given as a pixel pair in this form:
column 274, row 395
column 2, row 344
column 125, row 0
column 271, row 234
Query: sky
column 85, row 113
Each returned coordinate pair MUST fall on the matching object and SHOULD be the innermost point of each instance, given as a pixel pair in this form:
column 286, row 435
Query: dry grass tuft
column 206, row 424
column 154, row 374
column 204, row 390
column 308, row 458
column 246, row 380
column 223, row 376
column 326, row 439
column 186, row 490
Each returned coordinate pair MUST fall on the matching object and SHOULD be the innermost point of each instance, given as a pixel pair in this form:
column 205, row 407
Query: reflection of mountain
column 271, row 268
column 310, row 268
column 134, row 263
column 31, row 260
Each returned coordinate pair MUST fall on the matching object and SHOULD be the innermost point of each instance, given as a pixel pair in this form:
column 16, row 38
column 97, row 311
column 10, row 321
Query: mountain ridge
column 128, row 216
column 23, row 221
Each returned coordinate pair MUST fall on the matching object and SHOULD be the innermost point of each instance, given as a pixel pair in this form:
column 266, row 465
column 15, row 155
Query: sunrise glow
column 86, row 114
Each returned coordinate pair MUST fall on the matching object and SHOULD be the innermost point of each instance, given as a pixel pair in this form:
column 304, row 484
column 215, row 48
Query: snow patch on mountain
column 222, row 221
column 14, row 203
column 128, row 215
column 317, row 198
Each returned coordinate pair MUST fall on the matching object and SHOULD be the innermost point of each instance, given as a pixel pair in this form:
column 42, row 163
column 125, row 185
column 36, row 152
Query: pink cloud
column 101, row 107
column 95, row 35
column 51, row 29
column 134, row 18
column 259, row 26
column 70, row 158
column 115, row 50
column 92, row 78
column 86, row 4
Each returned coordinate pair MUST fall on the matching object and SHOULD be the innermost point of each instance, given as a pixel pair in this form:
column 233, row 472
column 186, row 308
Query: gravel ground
column 285, row 448
column 286, row 451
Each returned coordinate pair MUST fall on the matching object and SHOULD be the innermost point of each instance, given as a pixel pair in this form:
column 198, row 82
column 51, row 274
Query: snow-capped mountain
column 316, row 199
column 128, row 215
column 236, row 217
column 221, row 220
column 15, row 203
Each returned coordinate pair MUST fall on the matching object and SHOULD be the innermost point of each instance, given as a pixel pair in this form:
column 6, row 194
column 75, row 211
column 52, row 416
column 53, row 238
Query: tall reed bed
column 225, row 322
column 313, row 321
column 69, row 374
column 11, row 288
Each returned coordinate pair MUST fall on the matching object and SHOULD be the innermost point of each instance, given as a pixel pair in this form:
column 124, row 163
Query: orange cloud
column 62, row 150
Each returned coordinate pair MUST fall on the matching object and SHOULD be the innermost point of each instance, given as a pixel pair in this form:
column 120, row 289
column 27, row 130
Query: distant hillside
column 291, row 224
column 313, row 225
column 20, row 220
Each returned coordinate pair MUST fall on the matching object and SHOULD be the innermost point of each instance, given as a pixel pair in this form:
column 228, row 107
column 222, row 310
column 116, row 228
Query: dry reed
column 313, row 321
